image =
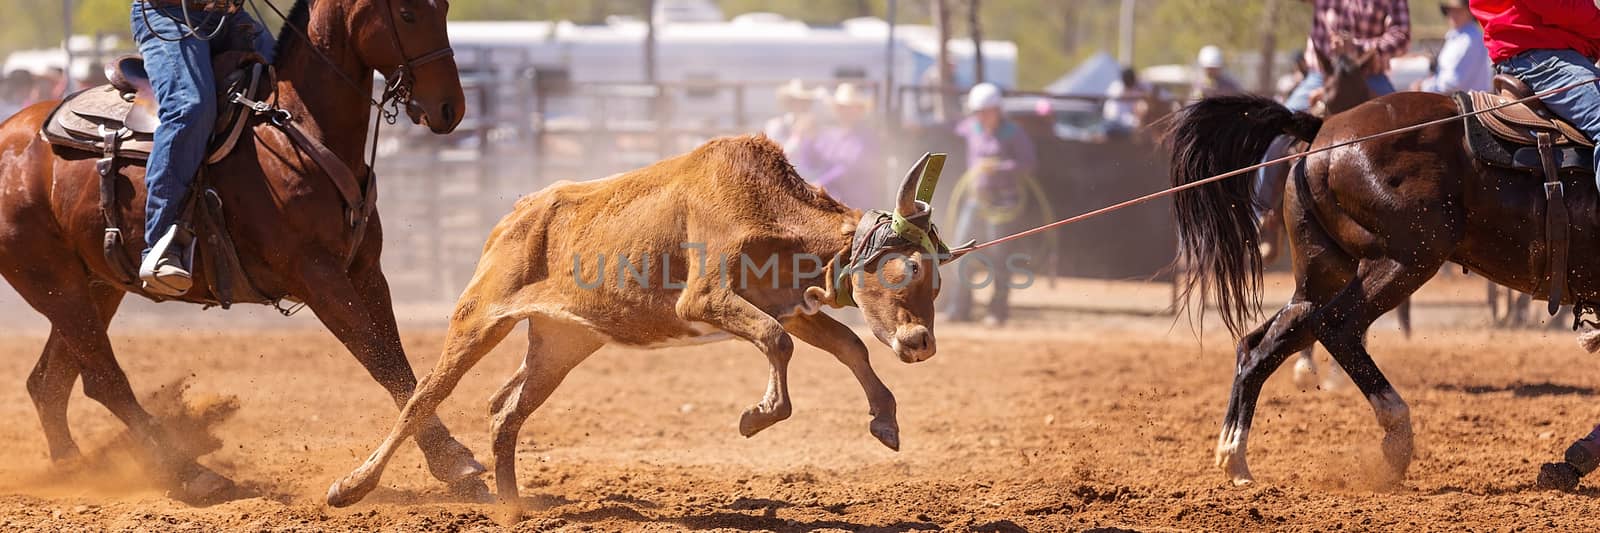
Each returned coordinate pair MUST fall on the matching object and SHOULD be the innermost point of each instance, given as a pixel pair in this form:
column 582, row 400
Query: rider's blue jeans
column 1544, row 70
column 180, row 73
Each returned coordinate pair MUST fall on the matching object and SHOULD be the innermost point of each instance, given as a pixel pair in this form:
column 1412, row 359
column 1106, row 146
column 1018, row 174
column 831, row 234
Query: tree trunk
column 945, row 88
column 976, row 29
column 1269, row 43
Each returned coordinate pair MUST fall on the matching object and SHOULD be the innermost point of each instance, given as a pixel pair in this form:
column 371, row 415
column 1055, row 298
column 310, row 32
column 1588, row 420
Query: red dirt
column 1066, row 420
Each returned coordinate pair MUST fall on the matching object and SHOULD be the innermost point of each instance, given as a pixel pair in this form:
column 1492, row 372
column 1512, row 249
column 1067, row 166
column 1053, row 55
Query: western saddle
column 118, row 121
column 1526, row 136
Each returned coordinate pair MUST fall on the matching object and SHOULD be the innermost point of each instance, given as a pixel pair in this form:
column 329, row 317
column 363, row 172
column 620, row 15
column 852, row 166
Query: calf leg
column 473, row 332
column 824, row 332
column 554, row 349
column 706, row 301
column 355, row 307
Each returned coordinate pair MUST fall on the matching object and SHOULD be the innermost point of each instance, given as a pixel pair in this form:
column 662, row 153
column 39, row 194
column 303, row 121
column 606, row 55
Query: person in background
column 846, row 158
column 1000, row 156
column 1213, row 80
column 1381, row 28
column 1126, row 104
column 1463, row 61
column 1289, row 80
column 798, row 104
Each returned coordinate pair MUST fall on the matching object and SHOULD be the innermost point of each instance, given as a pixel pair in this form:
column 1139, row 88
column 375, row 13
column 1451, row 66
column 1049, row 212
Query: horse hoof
column 1242, row 482
column 472, row 490
column 203, row 487
column 1558, row 476
column 887, row 432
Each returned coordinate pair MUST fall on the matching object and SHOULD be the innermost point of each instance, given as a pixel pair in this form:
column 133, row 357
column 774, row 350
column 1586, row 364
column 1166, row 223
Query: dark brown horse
column 1369, row 223
column 283, row 211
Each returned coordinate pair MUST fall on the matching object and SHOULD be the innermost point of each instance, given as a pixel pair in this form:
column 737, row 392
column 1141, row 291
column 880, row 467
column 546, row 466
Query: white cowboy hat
column 795, row 90
column 847, row 94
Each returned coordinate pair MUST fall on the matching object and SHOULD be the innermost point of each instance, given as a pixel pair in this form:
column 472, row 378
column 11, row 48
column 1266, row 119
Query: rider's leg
column 186, row 92
column 1544, row 70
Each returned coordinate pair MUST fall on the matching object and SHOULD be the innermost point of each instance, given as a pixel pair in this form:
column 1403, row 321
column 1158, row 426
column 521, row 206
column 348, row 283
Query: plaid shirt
column 1380, row 26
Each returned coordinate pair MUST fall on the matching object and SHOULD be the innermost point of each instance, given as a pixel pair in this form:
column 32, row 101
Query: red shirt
column 1511, row 27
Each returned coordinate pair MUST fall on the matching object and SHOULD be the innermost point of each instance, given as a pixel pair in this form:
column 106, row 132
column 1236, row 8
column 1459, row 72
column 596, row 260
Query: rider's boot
column 163, row 270
column 1581, row 459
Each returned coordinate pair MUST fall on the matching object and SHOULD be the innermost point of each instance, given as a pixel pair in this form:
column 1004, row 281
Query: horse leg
column 62, row 293
column 474, row 330
column 1259, row 354
column 357, row 309
column 50, row 383
column 1379, row 286
column 1403, row 314
column 553, row 351
column 824, row 332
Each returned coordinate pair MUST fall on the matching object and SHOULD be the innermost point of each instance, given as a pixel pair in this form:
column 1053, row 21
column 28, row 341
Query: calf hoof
column 756, row 419
column 351, row 489
column 887, row 430
column 1558, row 476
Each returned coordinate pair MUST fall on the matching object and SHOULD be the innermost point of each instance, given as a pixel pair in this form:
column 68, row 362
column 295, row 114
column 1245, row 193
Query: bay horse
column 283, row 211
column 1369, row 224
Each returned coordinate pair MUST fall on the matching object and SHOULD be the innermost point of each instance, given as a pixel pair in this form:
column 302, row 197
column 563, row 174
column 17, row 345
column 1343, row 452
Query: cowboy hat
column 847, row 94
column 795, row 90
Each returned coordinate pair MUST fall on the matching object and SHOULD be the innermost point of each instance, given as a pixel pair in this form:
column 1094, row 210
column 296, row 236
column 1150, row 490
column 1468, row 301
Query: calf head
column 891, row 270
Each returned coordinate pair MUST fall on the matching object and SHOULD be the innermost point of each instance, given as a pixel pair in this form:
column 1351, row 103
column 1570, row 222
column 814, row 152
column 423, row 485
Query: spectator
column 1213, row 81
column 1126, row 104
column 1463, row 61
column 797, row 103
column 846, row 158
column 1001, row 158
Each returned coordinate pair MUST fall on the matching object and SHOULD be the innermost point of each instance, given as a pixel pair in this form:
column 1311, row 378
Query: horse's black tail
column 1217, row 234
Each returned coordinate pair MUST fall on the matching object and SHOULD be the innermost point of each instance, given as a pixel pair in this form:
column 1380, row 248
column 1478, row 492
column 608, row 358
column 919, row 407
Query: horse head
column 407, row 41
column 1346, row 83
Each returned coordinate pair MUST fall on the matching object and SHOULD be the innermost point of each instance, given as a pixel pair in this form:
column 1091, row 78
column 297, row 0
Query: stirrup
column 175, row 236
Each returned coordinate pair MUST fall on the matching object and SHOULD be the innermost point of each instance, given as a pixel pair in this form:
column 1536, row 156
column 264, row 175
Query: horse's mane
column 299, row 17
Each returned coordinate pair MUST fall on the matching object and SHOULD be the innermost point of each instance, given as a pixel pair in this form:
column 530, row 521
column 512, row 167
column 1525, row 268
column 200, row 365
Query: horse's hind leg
column 1259, row 354
column 50, row 383
column 554, row 348
column 1379, row 285
column 61, row 292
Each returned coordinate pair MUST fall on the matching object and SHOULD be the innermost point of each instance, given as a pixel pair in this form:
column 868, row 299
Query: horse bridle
column 401, row 83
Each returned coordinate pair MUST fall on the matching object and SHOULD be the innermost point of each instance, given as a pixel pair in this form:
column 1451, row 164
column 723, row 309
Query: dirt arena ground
column 1092, row 411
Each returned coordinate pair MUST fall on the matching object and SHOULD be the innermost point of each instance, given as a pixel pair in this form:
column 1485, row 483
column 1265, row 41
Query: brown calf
column 725, row 241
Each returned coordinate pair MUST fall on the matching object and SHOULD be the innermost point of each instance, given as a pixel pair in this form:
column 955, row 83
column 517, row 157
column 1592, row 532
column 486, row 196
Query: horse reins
column 1291, row 157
